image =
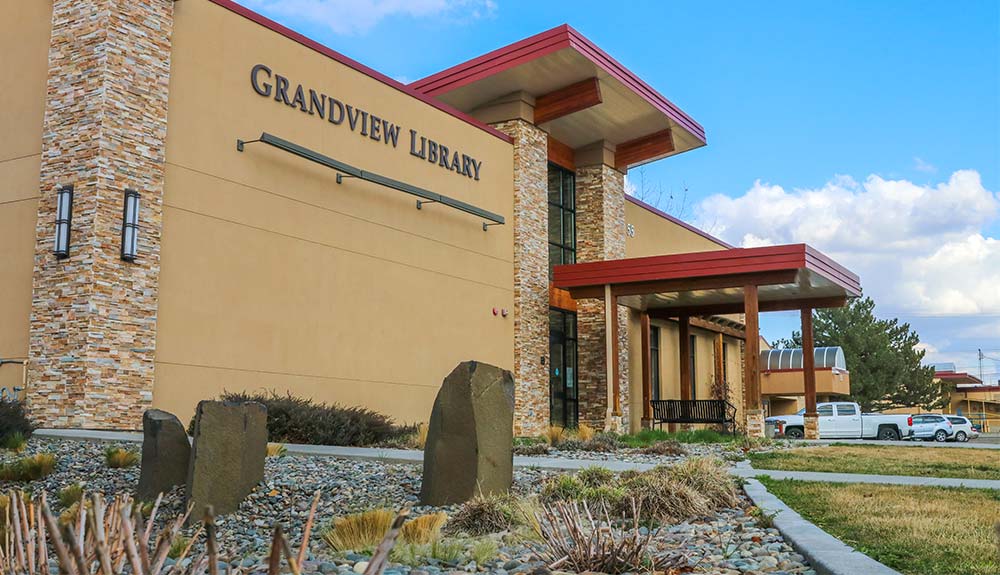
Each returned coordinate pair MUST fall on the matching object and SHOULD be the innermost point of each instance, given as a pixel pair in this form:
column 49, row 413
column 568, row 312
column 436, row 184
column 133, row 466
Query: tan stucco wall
column 273, row 276
column 655, row 235
column 24, row 43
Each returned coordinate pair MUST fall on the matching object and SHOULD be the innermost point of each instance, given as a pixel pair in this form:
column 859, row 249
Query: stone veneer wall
column 93, row 316
column 600, row 235
column 531, row 276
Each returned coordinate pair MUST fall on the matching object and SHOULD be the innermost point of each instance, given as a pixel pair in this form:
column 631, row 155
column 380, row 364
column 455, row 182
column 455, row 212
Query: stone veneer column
column 531, row 276
column 93, row 316
column 600, row 235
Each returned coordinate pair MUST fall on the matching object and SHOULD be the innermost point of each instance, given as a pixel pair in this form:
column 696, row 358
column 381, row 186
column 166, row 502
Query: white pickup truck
column 843, row 420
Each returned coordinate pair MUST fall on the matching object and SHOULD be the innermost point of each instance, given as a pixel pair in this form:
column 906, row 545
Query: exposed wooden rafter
column 639, row 150
column 567, row 100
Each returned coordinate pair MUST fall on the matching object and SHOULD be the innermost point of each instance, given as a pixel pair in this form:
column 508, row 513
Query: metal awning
column 793, row 276
column 792, row 359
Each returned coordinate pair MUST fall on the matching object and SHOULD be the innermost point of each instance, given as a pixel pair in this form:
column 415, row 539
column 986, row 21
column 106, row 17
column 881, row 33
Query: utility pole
column 980, row 364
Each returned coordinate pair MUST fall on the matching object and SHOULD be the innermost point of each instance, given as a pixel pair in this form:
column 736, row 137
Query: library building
column 196, row 199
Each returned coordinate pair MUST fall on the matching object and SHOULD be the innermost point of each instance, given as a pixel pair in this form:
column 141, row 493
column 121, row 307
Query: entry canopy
column 786, row 359
column 581, row 96
column 788, row 277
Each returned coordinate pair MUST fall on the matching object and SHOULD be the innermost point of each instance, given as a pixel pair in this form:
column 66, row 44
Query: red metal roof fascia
column 494, row 62
column 977, row 387
column 832, row 270
column 625, row 76
column 350, row 63
column 679, row 222
column 544, row 43
column 695, row 264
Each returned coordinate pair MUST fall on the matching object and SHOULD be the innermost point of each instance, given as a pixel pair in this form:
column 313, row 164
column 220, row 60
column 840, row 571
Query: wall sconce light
column 64, row 217
column 130, row 226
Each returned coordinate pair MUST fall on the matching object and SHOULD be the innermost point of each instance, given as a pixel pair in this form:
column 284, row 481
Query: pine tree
column 886, row 367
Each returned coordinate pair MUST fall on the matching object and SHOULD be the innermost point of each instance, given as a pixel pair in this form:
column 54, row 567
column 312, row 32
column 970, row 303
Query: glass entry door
column 563, row 390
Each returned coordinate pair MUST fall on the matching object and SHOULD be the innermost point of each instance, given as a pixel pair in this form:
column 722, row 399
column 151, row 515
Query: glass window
column 846, row 409
column 825, row 410
column 957, row 420
column 563, row 389
column 562, row 217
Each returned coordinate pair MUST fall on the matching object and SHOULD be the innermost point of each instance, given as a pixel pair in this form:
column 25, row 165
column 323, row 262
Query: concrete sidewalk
column 743, row 469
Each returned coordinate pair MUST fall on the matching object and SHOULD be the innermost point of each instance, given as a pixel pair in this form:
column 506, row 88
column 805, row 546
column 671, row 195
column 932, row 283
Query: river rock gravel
column 731, row 542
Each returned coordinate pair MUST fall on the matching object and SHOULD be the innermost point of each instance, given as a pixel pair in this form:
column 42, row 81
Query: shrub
column 585, row 432
column 571, row 444
column 603, row 442
column 484, row 514
column 276, row 450
column 662, row 499
column 117, row 457
column 293, row 419
column 14, row 419
column 595, row 476
column 669, row 447
column 709, row 477
column 424, row 529
column 28, row 468
column 359, row 532
column 70, row 494
column 15, row 442
column 531, row 449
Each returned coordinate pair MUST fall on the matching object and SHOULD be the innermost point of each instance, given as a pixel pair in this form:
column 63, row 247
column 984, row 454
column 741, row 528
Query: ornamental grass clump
column 119, row 458
column 70, row 494
column 28, row 468
column 670, row 447
column 710, row 478
column 15, row 441
column 276, row 450
column 424, row 529
column 554, row 435
column 484, row 514
column 14, row 420
column 531, row 449
column 363, row 531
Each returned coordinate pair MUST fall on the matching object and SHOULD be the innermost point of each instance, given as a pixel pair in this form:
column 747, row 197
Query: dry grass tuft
column 28, row 468
column 554, row 435
column 484, row 514
column 710, row 478
column 424, row 529
column 670, row 447
column 585, row 432
column 117, row 457
column 914, row 529
column 70, row 494
column 419, row 438
column 276, row 450
column 14, row 441
column 359, row 532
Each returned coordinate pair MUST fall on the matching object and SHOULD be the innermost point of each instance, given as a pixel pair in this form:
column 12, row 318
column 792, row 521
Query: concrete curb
column 825, row 553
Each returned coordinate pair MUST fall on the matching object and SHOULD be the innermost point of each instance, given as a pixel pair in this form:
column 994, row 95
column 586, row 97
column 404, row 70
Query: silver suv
column 932, row 427
column 963, row 428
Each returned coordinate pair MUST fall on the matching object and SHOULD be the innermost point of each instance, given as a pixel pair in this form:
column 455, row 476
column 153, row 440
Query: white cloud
column 921, row 166
column 920, row 249
column 356, row 17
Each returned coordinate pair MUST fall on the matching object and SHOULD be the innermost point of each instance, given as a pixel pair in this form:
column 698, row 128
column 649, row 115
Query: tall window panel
column 64, row 220
column 562, row 217
column 130, row 226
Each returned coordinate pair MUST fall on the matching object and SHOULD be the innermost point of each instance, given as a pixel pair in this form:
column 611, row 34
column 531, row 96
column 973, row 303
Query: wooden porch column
column 809, row 373
column 720, row 370
column 647, row 375
column 611, row 358
column 684, row 325
column 751, row 364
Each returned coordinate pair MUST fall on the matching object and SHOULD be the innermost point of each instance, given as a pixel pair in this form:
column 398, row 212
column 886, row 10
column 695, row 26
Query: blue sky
column 879, row 121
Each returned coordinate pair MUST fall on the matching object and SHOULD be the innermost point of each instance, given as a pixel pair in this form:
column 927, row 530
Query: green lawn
column 885, row 460
column 915, row 530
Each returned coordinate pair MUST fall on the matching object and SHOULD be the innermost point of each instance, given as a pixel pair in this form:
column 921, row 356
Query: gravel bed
column 730, row 542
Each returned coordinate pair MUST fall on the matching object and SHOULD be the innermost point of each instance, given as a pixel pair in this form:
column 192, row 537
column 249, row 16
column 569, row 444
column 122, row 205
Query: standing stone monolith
column 227, row 460
column 166, row 454
column 470, row 437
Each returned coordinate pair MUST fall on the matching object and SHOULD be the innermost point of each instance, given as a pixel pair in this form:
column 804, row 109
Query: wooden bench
column 718, row 411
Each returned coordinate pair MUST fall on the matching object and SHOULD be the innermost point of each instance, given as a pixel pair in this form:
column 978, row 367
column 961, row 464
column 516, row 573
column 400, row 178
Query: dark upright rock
column 470, row 437
column 166, row 453
column 227, row 460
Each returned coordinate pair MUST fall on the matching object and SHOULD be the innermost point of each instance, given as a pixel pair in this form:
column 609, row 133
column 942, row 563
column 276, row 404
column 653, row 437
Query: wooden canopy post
column 751, row 364
column 614, row 411
column 647, row 371
column 811, row 418
column 684, row 347
column 720, row 370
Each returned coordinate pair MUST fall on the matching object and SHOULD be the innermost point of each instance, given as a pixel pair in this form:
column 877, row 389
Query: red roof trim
column 972, row 388
column 677, row 221
column 350, row 63
column 544, row 43
column 957, row 375
column 705, row 264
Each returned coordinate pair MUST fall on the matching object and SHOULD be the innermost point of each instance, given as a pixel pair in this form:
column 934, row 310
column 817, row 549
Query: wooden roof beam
column 567, row 100
column 639, row 150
